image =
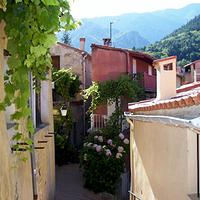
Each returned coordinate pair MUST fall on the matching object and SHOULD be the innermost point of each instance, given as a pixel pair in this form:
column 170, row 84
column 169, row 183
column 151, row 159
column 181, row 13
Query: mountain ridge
column 151, row 27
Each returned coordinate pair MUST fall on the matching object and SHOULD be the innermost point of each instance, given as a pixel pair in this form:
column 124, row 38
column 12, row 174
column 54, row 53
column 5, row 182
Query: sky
column 99, row 8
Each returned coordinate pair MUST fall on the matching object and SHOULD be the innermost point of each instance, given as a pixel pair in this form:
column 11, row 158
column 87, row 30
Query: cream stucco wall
column 15, row 184
column 164, row 161
column 164, row 91
column 18, row 184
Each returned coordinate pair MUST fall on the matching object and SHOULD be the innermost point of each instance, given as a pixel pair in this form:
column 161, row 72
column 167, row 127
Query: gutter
column 193, row 124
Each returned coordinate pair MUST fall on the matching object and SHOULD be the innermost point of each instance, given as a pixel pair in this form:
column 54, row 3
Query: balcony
column 99, row 121
column 149, row 82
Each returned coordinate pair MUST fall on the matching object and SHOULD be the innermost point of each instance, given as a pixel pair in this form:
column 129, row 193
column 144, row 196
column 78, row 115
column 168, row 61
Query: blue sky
column 98, row 8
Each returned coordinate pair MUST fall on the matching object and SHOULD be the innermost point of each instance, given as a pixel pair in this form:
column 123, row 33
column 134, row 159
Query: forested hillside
column 132, row 29
column 183, row 42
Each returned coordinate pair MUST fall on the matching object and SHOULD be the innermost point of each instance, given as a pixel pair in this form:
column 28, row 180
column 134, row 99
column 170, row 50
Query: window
column 56, row 62
column 188, row 69
column 134, row 66
column 149, row 70
column 168, row 67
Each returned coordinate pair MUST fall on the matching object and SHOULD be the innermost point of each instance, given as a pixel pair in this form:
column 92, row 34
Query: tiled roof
column 187, row 95
column 191, row 63
column 77, row 50
column 134, row 53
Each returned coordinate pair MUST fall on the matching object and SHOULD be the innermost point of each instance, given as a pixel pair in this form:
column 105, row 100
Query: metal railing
column 135, row 196
column 99, row 121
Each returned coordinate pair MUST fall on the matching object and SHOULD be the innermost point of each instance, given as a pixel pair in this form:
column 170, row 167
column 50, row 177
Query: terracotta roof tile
column 187, row 95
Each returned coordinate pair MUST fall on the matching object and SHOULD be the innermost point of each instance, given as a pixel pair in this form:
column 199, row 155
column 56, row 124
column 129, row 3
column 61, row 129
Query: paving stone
column 69, row 185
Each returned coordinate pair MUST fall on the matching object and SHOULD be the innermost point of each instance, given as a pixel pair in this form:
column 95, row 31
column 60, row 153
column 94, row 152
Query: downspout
column 131, row 154
column 84, row 56
column 33, row 116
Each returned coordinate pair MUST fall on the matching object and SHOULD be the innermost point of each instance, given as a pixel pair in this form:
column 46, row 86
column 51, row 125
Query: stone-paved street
column 69, row 185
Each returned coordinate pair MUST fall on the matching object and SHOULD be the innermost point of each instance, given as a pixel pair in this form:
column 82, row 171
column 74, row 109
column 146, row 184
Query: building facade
column 164, row 139
column 35, row 178
column 65, row 57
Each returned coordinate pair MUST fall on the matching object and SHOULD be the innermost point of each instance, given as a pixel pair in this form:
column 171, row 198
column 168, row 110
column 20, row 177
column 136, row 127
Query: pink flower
column 109, row 141
column 120, row 149
column 118, row 155
column 89, row 144
column 95, row 145
column 108, row 152
column 121, row 136
column 100, row 139
column 98, row 148
column 85, row 144
column 126, row 141
column 96, row 137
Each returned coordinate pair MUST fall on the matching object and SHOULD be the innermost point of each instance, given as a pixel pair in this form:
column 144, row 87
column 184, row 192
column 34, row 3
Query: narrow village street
column 69, row 185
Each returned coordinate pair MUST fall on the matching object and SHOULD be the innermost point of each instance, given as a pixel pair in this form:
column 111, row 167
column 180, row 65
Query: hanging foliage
column 30, row 29
column 125, row 86
column 67, row 84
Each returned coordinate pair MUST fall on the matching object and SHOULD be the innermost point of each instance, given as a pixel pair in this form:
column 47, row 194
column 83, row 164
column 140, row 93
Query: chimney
column 166, row 77
column 82, row 41
column 106, row 42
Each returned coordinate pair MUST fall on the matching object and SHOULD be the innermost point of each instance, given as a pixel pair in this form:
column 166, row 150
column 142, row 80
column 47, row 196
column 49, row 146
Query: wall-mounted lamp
column 63, row 110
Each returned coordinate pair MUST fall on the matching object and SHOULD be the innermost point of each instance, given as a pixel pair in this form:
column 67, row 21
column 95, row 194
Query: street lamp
column 63, row 110
column 111, row 31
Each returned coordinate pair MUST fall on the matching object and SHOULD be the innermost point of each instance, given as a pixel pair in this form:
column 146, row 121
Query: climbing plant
column 30, row 31
column 67, row 84
column 125, row 86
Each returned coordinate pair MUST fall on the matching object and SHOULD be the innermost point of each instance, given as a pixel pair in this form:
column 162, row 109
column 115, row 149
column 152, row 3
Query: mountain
column 183, row 42
column 149, row 27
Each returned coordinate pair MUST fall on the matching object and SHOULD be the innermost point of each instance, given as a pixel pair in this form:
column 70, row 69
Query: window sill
column 41, row 126
column 193, row 197
column 9, row 126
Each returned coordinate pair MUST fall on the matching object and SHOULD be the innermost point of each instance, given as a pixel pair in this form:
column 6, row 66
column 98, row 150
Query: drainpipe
column 33, row 116
column 84, row 56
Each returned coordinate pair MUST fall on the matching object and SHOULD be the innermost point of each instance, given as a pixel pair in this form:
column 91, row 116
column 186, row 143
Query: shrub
column 103, row 159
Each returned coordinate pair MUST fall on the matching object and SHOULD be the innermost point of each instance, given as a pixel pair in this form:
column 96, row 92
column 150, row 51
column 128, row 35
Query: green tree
column 67, row 84
column 66, row 38
column 183, row 42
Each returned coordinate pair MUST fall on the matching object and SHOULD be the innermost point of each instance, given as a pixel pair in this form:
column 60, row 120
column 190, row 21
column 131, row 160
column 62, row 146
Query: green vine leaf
column 38, row 51
column 14, row 62
column 50, row 2
column 10, row 90
column 17, row 137
column 30, row 31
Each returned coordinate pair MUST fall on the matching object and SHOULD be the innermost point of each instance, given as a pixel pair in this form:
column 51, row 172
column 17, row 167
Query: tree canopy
column 183, row 42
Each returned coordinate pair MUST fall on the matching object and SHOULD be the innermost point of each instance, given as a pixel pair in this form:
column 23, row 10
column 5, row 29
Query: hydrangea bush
column 103, row 159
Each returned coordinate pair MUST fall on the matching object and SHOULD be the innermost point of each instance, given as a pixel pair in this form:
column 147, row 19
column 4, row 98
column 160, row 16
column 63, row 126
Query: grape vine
column 30, row 31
